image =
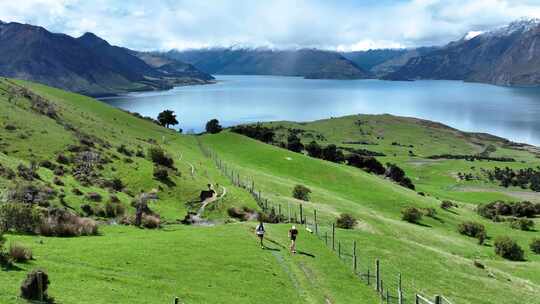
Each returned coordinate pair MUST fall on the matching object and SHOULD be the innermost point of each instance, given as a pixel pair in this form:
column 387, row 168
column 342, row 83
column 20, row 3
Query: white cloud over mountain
column 345, row 25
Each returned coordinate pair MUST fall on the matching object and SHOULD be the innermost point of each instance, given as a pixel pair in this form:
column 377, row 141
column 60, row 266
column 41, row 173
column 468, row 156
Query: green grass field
column 223, row 263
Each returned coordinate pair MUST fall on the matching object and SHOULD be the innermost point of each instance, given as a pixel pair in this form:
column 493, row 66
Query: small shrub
column 161, row 173
column 411, row 214
column 535, row 245
column 124, row 150
column 94, row 197
column 508, row 249
column 63, row 223
column 19, row 253
column 30, row 289
column 447, row 205
column 114, row 209
column 473, row 229
column 10, row 127
column 57, row 181
column 151, row 221
column 27, row 173
column 301, row 192
column 59, row 171
column 140, row 153
column 87, row 209
column 77, row 191
column 47, row 164
column 63, row 159
column 213, row 126
column 346, row 221
column 19, row 217
column 158, row 156
column 522, row 224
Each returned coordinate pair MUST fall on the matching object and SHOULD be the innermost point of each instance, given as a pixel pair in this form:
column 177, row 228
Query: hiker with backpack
column 260, row 233
column 293, row 232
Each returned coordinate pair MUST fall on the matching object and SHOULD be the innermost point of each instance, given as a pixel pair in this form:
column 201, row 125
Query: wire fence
column 386, row 281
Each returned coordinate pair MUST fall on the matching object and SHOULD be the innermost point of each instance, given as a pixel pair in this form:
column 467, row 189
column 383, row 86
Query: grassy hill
column 215, row 264
column 432, row 257
column 222, row 263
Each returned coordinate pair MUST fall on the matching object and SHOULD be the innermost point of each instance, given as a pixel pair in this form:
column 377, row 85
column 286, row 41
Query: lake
column 513, row 113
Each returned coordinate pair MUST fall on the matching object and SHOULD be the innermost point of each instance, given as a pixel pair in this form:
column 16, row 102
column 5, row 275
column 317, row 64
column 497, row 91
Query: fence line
column 389, row 286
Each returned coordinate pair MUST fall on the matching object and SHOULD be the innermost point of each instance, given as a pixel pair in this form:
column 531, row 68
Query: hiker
column 292, row 235
column 260, row 233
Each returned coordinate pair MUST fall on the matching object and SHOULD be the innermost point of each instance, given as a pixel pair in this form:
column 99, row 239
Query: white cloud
column 346, row 24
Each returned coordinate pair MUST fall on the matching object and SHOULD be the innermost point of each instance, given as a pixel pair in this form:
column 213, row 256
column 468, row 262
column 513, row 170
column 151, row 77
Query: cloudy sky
column 342, row 25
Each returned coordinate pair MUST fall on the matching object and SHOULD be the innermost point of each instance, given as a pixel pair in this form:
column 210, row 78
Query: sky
column 344, row 25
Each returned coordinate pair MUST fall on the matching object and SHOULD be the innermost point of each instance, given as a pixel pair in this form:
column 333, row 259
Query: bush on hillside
column 28, row 173
column 59, row 222
column 411, row 215
column 258, row 132
column 94, row 197
column 18, row 253
column 159, row 157
column 114, row 209
column 447, row 205
column 535, row 245
column 301, row 192
column 294, row 143
column 270, row 217
column 346, row 221
column 161, row 173
column 29, row 193
column 151, row 221
column 63, row 159
column 522, row 224
column 508, row 249
column 47, row 164
column 123, row 149
column 430, row 212
column 77, row 191
column 7, row 172
column 314, row 149
column 22, row 218
column 500, row 208
column 473, row 229
column 242, row 214
column 333, row 154
column 397, row 174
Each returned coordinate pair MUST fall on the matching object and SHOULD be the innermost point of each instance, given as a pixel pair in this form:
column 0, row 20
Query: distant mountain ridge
column 308, row 63
column 87, row 65
column 508, row 56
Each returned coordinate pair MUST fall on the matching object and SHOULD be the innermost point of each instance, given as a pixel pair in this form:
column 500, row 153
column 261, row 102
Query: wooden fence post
column 40, row 285
column 339, row 249
column 416, row 299
column 378, row 274
column 326, row 238
column 438, row 299
column 400, row 291
column 354, row 256
column 381, row 292
column 368, row 277
column 333, row 236
column 315, row 221
column 301, row 215
column 176, row 300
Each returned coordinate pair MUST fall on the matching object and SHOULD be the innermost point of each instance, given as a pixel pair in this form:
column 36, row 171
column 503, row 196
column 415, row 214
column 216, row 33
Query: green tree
column 213, row 126
column 167, row 118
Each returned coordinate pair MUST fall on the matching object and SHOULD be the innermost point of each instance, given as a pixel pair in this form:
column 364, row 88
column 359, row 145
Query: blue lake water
column 513, row 113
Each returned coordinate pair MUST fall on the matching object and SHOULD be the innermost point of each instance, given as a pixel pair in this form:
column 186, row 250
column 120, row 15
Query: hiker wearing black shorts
column 259, row 231
column 293, row 232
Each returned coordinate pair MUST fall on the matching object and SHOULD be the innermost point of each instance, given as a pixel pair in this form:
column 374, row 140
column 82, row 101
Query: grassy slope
column 435, row 177
column 433, row 257
column 220, row 264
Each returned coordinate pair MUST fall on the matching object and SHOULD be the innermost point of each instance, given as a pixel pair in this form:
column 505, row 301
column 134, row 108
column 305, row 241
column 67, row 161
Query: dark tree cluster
column 366, row 163
column 472, row 158
column 397, row 174
column 495, row 210
column 528, row 178
column 257, row 132
column 213, row 126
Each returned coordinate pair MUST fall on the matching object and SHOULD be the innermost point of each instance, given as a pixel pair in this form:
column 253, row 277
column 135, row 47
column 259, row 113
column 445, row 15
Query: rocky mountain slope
column 508, row 56
column 88, row 64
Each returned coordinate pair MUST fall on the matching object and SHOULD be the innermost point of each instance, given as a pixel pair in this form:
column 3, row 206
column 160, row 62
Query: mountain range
column 508, row 56
column 88, row 64
column 308, row 63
